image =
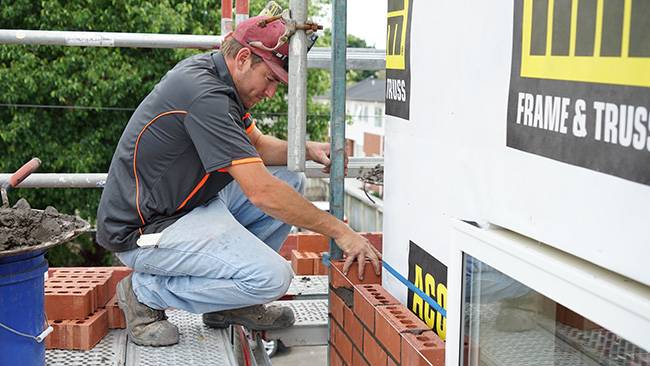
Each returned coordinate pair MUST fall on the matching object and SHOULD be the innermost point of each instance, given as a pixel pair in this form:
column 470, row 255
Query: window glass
column 507, row 323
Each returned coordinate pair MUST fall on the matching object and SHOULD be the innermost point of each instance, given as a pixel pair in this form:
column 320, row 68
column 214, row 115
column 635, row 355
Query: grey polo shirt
column 171, row 155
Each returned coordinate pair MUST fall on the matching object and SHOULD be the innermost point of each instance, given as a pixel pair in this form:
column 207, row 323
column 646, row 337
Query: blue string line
column 413, row 288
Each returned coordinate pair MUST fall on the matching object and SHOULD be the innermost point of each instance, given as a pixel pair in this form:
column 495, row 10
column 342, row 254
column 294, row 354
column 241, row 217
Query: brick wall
column 368, row 326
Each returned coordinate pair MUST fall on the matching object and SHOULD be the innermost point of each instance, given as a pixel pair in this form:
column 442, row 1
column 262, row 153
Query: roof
column 367, row 90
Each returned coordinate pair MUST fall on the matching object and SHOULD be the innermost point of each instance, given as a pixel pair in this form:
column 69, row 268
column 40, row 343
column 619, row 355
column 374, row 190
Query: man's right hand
column 282, row 202
column 357, row 247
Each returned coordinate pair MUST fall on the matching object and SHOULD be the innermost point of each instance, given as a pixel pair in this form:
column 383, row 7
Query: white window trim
column 609, row 299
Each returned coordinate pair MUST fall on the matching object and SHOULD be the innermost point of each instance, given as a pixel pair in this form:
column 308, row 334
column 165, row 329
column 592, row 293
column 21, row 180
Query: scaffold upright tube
column 297, row 122
column 337, row 171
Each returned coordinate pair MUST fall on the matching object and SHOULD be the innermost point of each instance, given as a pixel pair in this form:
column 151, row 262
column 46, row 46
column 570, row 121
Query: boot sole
column 225, row 323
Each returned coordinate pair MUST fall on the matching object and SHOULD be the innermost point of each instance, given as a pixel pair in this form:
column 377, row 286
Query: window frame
column 562, row 277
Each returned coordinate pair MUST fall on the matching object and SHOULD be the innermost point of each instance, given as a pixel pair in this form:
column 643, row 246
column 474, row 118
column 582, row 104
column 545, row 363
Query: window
column 508, row 323
column 379, row 117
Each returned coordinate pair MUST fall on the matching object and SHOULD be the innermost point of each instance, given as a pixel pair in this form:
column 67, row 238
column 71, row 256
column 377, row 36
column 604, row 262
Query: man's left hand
column 320, row 153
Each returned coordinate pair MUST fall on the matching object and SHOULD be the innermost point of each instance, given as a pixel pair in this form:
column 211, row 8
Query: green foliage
column 352, row 76
column 112, row 82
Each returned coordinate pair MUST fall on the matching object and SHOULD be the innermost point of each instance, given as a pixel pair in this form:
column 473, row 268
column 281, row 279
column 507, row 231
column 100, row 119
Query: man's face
column 255, row 82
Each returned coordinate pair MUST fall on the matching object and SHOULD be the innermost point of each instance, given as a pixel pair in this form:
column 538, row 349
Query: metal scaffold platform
column 200, row 345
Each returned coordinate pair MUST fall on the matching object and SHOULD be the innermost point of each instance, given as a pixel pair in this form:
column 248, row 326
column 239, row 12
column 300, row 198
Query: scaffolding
column 338, row 59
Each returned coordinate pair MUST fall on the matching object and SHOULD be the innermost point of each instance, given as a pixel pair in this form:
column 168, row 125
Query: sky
column 367, row 20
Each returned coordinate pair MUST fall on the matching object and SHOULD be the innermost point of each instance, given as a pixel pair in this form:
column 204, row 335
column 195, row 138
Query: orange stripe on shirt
column 239, row 162
column 135, row 156
column 196, row 189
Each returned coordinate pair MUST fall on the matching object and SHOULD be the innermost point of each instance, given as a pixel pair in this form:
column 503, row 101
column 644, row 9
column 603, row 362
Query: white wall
column 451, row 161
column 365, row 117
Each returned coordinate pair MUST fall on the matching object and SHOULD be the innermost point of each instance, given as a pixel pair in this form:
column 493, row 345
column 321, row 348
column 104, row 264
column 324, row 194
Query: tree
column 69, row 105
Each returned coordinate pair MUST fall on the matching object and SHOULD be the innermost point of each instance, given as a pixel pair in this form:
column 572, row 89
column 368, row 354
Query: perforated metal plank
column 310, row 328
column 109, row 351
column 601, row 343
column 308, row 287
column 199, row 345
column 534, row 347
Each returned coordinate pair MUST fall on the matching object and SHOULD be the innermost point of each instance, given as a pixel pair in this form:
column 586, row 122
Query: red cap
column 250, row 33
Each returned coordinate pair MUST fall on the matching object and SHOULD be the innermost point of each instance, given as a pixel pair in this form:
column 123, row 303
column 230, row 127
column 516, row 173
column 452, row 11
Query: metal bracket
column 290, row 28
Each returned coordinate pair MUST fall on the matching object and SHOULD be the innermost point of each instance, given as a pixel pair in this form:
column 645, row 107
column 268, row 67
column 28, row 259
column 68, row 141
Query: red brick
column 98, row 283
column 117, row 274
column 338, row 279
column 69, row 301
column 343, row 345
column 335, row 358
column 312, row 242
column 353, row 327
column 301, row 263
column 426, row 349
column 320, row 269
column 116, row 319
column 78, row 334
column 84, row 272
column 336, row 306
column 375, row 238
column 366, row 298
column 90, row 331
column 390, row 322
column 372, row 351
column 314, row 258
column 289, row 244
column 357, row 359
column 59, row 336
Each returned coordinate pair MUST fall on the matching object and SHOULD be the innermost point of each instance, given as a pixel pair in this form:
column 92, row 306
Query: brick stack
column 81, row 305
column 370, row 327
column 305, row 251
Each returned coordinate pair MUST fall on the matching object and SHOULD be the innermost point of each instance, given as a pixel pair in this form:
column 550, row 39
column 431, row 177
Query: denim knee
column 271, row 280
column 297, row 180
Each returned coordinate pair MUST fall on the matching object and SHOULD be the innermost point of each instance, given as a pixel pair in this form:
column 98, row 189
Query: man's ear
column 243, row 56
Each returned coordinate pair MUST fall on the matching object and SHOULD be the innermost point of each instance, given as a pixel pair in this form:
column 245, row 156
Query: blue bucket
column 22, row 308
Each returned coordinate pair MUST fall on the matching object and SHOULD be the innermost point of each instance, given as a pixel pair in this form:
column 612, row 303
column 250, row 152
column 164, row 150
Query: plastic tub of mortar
column 23, row 322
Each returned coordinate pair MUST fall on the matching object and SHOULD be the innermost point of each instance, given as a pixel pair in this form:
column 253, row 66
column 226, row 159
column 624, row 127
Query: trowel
column 18, row 177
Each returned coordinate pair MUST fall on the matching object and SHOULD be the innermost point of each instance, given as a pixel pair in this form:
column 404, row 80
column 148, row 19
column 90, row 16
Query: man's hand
column 357, row 247
column 320, row 153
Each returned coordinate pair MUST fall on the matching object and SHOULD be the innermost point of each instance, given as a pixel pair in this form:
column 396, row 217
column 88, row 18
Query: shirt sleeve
column 212, row 124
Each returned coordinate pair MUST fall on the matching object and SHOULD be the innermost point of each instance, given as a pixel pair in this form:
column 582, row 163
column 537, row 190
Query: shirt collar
column 224, row 74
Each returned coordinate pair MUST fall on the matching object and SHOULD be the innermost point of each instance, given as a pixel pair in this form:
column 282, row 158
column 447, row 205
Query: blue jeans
column 222, row 255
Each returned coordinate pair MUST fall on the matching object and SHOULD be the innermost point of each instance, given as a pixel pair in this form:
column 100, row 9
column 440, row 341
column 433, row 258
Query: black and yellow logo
column 398, row 18
column 596, row 41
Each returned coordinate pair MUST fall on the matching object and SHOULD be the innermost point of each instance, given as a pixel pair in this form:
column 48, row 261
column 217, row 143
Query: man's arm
column 282, row 202
column 273, row 151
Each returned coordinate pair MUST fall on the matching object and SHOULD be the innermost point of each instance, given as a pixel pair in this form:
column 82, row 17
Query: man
column 190, row 205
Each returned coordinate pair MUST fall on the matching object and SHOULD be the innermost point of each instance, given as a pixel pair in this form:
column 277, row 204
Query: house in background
column 364, row 133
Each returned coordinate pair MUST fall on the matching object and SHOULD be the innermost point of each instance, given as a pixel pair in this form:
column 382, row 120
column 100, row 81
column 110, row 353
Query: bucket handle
column 39, row 338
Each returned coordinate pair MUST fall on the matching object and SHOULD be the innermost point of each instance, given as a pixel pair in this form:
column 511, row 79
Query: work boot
column 256, row 317
column 145, row 326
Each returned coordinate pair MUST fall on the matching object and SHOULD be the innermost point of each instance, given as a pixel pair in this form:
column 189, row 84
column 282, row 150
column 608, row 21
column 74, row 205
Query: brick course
column 375, row 328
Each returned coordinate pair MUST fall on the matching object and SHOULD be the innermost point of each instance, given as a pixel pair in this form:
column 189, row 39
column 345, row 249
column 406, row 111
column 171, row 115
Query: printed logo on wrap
column 429, row 275
column 398, row 68
column 580, row 84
